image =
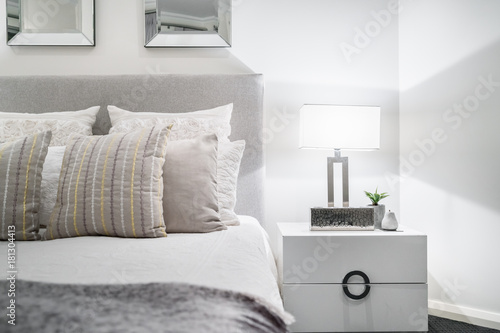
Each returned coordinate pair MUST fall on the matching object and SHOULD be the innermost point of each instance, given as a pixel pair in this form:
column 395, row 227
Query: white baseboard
column 464, row 314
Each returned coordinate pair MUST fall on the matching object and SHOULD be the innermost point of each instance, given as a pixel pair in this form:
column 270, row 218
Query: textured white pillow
column 228, row 168
column 61, row 124
column 186, row 125
column 50, row 181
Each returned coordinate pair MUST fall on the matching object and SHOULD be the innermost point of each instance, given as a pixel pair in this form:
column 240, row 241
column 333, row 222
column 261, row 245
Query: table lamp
column 339, row 127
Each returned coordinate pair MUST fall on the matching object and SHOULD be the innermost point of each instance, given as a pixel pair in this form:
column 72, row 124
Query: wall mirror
column 187, row 23
column 50, row 22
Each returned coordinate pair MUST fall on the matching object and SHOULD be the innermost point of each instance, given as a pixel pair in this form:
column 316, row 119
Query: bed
column 171, row 277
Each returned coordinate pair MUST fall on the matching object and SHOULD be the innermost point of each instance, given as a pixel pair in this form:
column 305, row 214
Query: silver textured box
column 342, row 218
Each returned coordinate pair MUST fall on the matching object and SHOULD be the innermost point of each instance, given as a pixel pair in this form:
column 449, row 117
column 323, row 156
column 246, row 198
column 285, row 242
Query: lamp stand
column 345, row 178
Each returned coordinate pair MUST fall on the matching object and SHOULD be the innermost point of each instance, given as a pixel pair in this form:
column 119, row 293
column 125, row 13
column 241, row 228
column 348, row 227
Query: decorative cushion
column 187, row 125
column 62, row 124
column 228, row 169
column 111, row 185
column 21, row 163
column 190, row 202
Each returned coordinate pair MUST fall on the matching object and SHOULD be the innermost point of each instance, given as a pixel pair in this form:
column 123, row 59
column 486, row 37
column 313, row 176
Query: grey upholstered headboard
column 156, row 93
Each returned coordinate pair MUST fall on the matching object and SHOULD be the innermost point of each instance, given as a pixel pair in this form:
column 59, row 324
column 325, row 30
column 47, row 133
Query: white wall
column 449, row 187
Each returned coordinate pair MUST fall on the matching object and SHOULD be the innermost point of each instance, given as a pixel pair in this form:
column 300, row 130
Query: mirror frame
column 17, row 37
column 154, row 37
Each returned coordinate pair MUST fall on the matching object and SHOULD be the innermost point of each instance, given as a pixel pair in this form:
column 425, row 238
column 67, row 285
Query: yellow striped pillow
column 111, row 185
column 21, row 163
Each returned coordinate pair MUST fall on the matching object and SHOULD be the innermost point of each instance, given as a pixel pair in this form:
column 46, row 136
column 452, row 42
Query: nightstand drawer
column 325, row 308
column 326, row 257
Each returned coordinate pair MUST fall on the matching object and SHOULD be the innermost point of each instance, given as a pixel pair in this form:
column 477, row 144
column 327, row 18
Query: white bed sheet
column 238, row 258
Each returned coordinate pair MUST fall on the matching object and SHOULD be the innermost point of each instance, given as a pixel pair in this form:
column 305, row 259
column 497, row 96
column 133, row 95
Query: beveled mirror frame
column 31, row 29
column 186, row 29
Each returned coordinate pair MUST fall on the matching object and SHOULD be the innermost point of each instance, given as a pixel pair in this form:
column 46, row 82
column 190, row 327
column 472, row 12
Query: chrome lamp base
column 345, row 178
column 345, row 217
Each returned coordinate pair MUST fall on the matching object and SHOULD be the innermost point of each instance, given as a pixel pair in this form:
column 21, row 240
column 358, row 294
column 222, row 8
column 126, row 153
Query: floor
column 442, row 325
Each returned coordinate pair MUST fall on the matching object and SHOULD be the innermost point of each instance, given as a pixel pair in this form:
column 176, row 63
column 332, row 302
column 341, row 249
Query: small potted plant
column 379, row 208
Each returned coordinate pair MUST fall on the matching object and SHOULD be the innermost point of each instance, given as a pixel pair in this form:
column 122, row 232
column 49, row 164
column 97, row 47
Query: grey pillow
column 111, row 185
column 21, row 163
column 190, row 201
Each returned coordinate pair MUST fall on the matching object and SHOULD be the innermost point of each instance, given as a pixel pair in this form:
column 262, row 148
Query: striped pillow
column 21, row 163
column 111, row 185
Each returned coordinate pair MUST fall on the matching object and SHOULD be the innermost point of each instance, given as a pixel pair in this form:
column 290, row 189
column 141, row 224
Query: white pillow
column 62, row 124
column 228, row 168
column 50, row 181
column 188, row 125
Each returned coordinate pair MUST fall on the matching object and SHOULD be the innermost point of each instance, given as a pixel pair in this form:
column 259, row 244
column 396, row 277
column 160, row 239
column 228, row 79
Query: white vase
column 379, row 214
column 390, row 222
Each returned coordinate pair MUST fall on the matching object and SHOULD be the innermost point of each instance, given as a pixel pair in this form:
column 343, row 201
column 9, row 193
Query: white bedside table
column 353, row 281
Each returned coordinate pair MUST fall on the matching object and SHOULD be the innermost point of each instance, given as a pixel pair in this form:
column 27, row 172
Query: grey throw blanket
column 153, row 307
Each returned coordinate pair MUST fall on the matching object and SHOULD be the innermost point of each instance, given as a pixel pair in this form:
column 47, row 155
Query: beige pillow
column 190, row 202
column 111, row 185
column 21, row 163
column 187, row 125
column 61, row 124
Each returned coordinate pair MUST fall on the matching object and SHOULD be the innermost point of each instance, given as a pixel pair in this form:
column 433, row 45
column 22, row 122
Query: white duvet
column 238, row 258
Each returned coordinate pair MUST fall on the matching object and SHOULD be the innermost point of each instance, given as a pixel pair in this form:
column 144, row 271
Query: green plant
column 376, row 197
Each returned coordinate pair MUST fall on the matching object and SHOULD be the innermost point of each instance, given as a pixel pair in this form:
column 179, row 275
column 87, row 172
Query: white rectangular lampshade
column 340, row 127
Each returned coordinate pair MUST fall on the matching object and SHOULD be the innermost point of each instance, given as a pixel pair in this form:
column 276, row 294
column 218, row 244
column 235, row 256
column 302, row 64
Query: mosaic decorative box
column 342, row 218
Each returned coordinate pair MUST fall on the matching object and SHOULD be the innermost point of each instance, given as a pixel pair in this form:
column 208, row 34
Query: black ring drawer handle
column 346, row 289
